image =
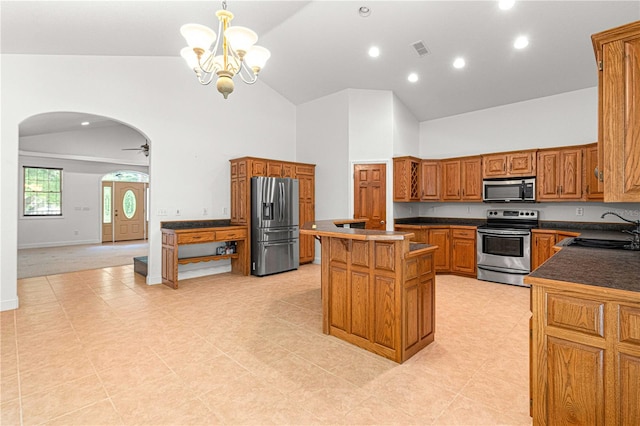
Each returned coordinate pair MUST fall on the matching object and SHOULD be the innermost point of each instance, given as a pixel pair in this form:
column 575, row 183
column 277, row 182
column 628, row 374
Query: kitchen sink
column 605, row 244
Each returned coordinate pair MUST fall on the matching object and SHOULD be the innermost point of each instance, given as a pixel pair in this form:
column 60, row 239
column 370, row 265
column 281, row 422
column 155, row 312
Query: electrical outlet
column 579, row 211
column 177, row 212
column 162, row 212
column 204, row 211
column 76, row 232
column 225, row 210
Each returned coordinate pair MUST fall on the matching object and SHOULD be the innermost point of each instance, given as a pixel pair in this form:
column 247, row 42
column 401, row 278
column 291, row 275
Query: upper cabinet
column 430, row 180
column 618, row 57
column 509, row 164
column 590, row 177
column 559, row 176
column 406, row 179
column 462, row 179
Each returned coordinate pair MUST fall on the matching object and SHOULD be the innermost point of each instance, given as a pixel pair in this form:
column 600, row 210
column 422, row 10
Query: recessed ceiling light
column 413, row 77
column 364, row 11
column 374, row 52
column 521, row 42
column 506, row 4
column 85, row 123
column 459, row 63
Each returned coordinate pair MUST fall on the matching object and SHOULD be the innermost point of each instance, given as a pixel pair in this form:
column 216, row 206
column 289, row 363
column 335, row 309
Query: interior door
column 129, row 211
column 369, row 188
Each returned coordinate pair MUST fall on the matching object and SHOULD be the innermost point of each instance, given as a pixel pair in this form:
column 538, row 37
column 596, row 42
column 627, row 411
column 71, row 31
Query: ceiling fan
column 143, row 149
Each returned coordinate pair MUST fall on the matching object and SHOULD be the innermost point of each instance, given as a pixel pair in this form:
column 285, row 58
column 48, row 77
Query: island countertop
column 328, row 228
column 613, row 269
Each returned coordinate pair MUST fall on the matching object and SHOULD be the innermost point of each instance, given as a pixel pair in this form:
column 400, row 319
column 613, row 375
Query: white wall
column 406, row 131
column 193, row 132
column 566, row 119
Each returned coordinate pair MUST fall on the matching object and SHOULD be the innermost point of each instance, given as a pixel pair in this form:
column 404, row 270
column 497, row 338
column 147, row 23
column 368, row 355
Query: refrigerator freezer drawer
column 275, row 234
column 270, row 258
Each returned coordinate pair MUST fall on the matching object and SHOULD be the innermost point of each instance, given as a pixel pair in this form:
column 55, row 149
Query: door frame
column 389, row 194
column 145, row 212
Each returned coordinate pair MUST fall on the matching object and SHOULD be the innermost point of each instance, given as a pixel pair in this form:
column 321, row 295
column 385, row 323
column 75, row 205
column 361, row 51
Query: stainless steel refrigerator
column 275, row 242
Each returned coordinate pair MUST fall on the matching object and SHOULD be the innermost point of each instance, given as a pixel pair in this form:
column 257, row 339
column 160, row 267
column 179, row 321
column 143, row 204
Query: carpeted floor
column 39, row 262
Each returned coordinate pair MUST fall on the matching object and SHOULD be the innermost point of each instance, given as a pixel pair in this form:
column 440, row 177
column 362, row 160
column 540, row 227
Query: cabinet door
column 307, row 214
column 451, row 180
column 590, row 177
column 274, row 169
column 542, row 247
column 471, row 179
column 258, row 167
column 621, row 116
column 495, row 166
column 548, row 185
column 288, row 170
column 522, row 164
column 430, row 180
column 570, row 174
column 463, row 256
column 440, row 238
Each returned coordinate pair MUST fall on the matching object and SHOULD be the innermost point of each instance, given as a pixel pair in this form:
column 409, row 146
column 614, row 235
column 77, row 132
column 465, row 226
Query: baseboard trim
column 58, row 244
column 9, row 305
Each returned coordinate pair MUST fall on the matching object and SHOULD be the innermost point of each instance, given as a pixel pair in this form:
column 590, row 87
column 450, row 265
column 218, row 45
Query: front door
column 370, row 192
column 128, row 212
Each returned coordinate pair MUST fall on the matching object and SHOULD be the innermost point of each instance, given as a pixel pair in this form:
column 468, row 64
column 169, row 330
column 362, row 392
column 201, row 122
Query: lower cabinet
column 456, row 252
column 543, row 242
column 463, row 250
column 585, row 355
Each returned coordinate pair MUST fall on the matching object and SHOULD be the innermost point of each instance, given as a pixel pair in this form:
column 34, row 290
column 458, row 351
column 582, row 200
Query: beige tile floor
column 101, row 347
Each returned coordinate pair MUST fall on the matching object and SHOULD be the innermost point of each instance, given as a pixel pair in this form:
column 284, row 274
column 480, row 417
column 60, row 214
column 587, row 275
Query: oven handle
column 503, row 232
column 504, row 270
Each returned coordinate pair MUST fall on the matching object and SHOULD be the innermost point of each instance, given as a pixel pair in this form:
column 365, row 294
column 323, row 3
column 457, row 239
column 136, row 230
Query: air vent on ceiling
column 420, row 48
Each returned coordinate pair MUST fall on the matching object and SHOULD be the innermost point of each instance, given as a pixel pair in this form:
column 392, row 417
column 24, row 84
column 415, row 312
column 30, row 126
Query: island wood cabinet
column 509, row 164
column 463, row 250
column 618, row 57
column 585, row 354
column 172, row 239
column 462, row 179
column 406, row 179
column 243, row 169
column 559, row 176
column 378, row 295
column 440, row 237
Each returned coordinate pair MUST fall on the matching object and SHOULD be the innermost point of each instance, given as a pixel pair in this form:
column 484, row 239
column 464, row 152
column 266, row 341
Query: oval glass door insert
column 129, row 204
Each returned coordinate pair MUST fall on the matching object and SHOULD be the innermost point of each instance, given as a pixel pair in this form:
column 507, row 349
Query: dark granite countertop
column 616, row 269
column 194, row 224
column 582, row 227
column 424, row 221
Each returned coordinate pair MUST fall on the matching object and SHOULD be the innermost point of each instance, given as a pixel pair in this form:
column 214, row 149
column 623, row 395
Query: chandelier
column 233, row 53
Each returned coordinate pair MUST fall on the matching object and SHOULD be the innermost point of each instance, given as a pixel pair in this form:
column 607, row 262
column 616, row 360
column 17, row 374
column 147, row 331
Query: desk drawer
column 237, row 234
column 199, row 237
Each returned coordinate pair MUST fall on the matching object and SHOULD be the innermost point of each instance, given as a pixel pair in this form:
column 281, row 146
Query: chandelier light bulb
column 198, row 36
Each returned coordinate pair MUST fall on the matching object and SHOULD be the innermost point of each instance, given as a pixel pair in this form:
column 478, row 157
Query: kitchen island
column 378, row 288
column 585, row 337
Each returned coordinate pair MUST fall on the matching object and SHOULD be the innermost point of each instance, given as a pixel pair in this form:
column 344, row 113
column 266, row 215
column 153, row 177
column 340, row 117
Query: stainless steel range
column 504, row 246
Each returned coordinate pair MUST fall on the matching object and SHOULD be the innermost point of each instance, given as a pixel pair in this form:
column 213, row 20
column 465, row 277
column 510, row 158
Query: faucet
column 635, row 243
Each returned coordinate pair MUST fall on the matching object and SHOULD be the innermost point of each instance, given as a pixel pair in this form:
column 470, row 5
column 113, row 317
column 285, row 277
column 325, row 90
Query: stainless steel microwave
column 509, row 190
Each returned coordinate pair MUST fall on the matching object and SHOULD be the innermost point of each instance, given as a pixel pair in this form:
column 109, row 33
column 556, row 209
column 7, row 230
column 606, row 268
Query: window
column 42, row 191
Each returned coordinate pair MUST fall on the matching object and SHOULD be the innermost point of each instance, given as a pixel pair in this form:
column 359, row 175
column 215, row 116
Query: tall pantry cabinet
column 618, row 58
column 243, row 169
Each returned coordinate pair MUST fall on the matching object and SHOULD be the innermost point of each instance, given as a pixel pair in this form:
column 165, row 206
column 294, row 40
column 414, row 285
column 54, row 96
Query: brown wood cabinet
column 406, row 179
column 430, row 180
column 508, row 164
column 543, row 242
column 456, row 252
column 590, row 177
column 172, row 239
column 463, row 250
column 585, row 354
column 378, row 295
column 243, row 169
column 618, row 56
column 462, row 179
column 559, row 176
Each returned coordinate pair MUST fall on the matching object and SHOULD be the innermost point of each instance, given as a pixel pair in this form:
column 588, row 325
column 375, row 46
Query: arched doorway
column 85, row 148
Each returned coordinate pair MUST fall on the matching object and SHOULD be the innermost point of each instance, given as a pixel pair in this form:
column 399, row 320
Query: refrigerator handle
column 282, row 201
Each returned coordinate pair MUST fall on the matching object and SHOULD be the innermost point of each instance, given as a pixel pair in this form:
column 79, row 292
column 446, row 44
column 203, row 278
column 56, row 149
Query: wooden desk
column 172, row 238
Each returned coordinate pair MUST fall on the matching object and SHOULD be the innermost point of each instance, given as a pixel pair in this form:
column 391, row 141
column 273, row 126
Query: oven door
column 505, row 249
